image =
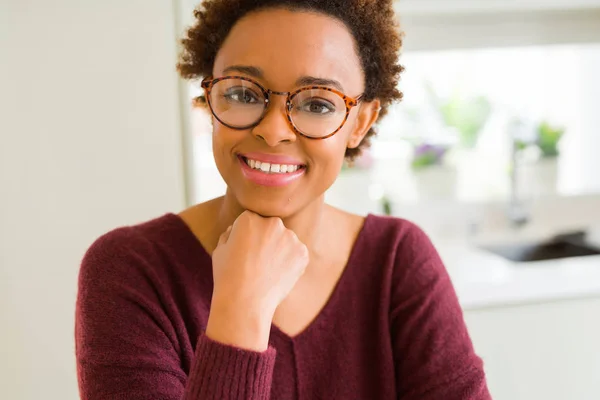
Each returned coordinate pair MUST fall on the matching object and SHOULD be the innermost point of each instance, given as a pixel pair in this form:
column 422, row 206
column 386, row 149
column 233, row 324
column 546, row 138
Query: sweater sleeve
column 126, row 347
column 433, row 353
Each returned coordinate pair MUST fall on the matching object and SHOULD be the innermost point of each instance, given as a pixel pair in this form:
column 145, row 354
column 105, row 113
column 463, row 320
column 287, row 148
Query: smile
column 271, row 168
column 278, row 171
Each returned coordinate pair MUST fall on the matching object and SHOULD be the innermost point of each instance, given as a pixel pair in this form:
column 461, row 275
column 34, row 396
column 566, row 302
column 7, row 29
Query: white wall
column 89, row 140
column 545, row 351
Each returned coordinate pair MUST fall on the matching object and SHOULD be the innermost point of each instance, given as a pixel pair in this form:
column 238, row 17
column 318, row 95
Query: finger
column 243, row 216
column 224, row 236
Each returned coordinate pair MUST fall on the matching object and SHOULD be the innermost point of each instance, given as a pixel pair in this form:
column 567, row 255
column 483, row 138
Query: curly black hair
column 372, row 23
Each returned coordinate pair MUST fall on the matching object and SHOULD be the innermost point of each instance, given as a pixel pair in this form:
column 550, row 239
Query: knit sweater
column 391, row 329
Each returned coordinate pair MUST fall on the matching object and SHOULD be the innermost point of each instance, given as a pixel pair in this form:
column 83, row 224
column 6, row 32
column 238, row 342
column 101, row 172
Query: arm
column 433, row 353
column 127, row 348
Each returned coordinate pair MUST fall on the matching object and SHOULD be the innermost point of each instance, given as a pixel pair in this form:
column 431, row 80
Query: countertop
column 483, row 279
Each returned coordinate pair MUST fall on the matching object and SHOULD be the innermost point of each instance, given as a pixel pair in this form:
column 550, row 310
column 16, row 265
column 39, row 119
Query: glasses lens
column 318, row 112
column 236, row 102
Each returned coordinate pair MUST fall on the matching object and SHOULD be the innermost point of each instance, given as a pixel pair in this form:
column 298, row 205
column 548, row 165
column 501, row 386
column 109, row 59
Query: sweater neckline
column 321, row 317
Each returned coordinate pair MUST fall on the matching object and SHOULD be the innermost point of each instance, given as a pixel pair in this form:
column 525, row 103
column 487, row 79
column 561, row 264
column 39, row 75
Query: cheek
column 218, row 146
column 223, row 141
column 328, row 155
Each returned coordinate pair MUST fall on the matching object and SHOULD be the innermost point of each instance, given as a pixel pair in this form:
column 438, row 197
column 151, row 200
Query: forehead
column 288, row 45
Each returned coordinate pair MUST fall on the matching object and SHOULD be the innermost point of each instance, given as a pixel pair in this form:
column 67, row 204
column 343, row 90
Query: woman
column 267, row 292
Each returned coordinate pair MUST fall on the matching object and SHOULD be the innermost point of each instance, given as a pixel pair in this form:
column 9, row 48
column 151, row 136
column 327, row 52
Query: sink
column 563, row 246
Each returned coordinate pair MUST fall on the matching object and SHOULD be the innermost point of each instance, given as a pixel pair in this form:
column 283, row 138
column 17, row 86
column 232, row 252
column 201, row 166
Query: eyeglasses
column 315, row 112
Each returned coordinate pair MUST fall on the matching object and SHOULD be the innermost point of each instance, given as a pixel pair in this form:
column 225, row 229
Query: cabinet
column 456, row 24
column 545, row 351
column 424, row 7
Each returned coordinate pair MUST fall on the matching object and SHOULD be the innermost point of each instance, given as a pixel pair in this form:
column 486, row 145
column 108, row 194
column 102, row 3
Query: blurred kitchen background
column 495, row 152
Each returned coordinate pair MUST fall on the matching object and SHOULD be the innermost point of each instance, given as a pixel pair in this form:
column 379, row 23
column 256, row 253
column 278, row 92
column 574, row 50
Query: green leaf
column 549, row 138
column 467, row 116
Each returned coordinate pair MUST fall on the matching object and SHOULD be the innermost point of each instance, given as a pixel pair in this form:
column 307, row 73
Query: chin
column 282, row 202
column 281, row 208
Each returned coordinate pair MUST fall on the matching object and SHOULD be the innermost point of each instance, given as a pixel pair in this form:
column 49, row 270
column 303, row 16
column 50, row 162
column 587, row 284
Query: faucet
column 516, row 211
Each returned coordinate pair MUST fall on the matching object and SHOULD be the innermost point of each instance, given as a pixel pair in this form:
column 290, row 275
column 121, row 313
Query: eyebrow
column 311, row 81
column 245, row 69
column 256, row 72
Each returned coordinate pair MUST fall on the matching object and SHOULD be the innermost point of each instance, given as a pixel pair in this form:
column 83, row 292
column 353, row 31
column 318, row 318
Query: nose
column 275, row 128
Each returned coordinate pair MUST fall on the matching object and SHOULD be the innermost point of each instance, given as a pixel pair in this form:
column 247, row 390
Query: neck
column 306, row 223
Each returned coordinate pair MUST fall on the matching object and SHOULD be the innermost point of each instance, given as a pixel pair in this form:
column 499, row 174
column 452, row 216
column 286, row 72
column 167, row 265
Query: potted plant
column 541, row 158
column 434, row 178
column 548, row 139
column 465, row 114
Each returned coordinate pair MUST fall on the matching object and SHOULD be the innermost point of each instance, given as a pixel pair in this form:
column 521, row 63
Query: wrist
column 239, row 324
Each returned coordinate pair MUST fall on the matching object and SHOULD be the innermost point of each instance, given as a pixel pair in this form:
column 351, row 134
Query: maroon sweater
column 392, row 329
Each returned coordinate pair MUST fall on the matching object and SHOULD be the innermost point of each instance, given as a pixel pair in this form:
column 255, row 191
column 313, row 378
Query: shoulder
column 376, row 230
column 402, row 235
column 126, row 294
column 127, row 250
column 405, row 247
column 135, row 239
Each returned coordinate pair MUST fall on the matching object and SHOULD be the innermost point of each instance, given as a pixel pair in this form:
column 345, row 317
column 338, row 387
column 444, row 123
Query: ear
column 367, row 115
column 199, row 102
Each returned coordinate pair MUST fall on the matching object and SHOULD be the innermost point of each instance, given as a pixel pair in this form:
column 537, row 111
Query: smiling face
column 284, row 51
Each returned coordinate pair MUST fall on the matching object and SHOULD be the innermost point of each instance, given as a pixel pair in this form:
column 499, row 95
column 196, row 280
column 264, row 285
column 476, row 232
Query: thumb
column 224, row 237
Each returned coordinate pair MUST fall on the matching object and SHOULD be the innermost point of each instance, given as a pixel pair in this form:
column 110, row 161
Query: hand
column 256, row 264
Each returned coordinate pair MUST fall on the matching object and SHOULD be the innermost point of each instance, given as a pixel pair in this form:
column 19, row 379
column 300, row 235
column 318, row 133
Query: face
column 283, row 51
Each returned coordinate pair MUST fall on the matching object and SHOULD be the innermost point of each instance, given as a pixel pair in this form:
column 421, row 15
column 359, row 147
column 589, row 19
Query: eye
column 317, row 106
column 241, row 95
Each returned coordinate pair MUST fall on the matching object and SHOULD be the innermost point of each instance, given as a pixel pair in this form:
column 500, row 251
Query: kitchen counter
column 483, row 279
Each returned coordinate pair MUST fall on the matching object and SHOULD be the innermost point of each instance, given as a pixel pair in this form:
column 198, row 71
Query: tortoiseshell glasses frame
column 350, row 102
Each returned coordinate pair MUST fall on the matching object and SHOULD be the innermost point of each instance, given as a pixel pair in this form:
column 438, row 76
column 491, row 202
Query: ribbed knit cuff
column 222, row 372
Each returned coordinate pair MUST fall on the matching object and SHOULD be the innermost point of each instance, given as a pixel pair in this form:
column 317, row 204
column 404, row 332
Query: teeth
column 272, row 168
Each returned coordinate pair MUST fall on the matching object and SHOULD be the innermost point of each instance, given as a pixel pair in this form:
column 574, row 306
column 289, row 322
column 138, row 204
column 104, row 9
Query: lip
column 272, row 180
column 272, row 158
